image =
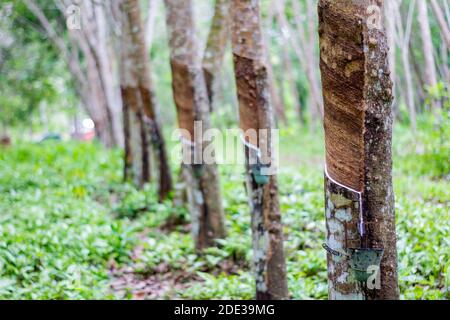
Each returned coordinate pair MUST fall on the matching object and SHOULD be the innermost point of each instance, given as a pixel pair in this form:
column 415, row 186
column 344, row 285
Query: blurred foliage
column 55, row 238
column 32, row 73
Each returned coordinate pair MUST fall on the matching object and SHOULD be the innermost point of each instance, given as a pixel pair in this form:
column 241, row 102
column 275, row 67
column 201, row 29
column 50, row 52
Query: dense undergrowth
column 66, row 220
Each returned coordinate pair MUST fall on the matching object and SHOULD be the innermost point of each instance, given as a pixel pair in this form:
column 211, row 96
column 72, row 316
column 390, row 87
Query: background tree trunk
column 287, row 61
column 443, row 24
column 215, row 48
column 275, row 97
column 137, row 147
column 191, row 99
column 428, row 52
column 309, row 42
column 137, row 85
column 358, row 132
column 256, row 113
column 404, row 39
column 153, row 6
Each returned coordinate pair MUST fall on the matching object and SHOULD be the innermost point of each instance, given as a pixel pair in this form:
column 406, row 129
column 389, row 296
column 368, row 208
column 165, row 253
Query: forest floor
column 70, row 229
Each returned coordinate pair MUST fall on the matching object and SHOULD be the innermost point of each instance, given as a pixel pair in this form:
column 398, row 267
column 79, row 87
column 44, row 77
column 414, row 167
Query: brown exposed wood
column 184, row 96
column 342, row 68
column 358, row 127
column 246, row 86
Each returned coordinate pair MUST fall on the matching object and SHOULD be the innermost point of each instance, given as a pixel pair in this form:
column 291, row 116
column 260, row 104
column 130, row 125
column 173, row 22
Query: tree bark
column 215, row 48
column 357, row 93
column 107, row 59
column 275, row 97
column 316, row 105
column 443, row 24
column 404, row 39
column 137, row 149
column 137, row 88
column 153, row 6
column 309, row 42
column 95, row 33
column 256, row 113
column 287, row 61
column 191, row 100
column 445, row 65
column 290, row 78
column 428, row 52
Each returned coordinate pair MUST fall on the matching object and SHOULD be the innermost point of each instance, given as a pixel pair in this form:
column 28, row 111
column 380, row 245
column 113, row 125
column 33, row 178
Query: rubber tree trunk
column 138, row 90
column 191, row 100
column 443, row 24
column 275, row 97
column 256, row 113
column 430, row 75
column 106, row 59
column 287, row 61
column 137, row 156
column 149, row 103
column 307, row 37
column 405, row 36
column 100, row 115
column 290, row 78
column 357, row 92
column 93, row 43
column 215, row 48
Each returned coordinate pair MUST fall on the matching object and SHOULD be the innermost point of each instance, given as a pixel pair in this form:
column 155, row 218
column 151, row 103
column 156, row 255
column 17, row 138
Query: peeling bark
column 358, row 128
column 191, row 100
column 255, row 111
